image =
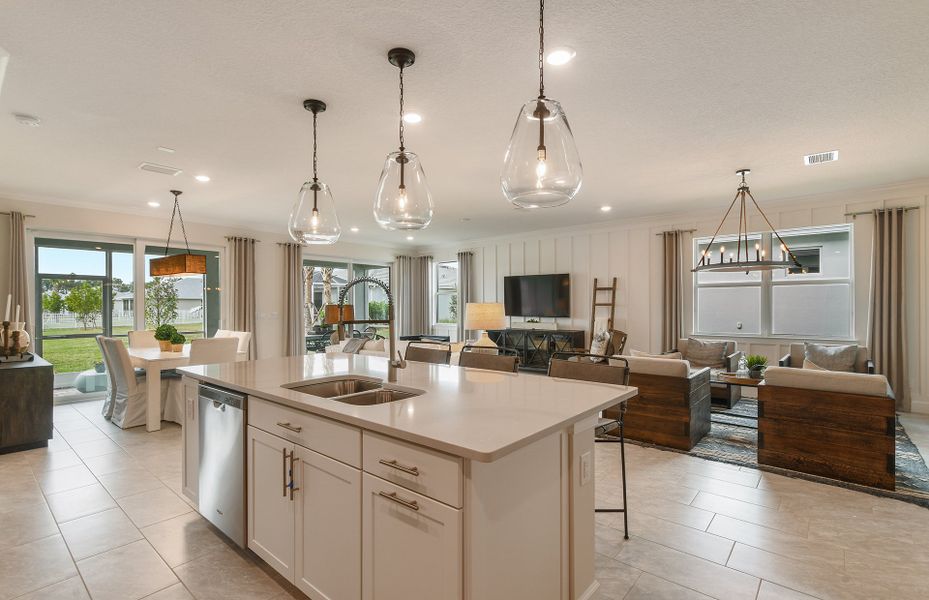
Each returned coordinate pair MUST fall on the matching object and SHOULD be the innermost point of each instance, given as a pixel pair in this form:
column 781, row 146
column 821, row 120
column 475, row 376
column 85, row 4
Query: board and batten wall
column 76, row 222
column 632, row 252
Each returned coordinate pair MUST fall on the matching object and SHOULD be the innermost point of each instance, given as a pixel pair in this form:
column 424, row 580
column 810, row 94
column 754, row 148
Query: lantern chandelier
column 742, row 260
column 313, row 219
column 182, row 264
column 403, row 199
column 541, row 167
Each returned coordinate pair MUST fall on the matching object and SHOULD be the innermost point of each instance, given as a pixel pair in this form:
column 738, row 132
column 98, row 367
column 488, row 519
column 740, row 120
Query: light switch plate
column 585, row 468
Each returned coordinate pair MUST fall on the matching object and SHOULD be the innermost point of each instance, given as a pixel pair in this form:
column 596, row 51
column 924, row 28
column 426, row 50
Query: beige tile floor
column 99, row 514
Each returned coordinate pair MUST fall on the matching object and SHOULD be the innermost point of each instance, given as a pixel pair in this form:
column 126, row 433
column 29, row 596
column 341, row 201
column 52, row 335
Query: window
column 446, row 295
column 812, row 301
column 322, row 283
column 189, row 303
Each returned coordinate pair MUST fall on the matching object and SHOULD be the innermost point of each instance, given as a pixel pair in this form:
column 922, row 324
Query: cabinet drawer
column 330, row 438
column 416, row 468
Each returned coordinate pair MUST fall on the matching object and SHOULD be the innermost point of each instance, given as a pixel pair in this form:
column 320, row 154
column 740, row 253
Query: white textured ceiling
column 666, row 98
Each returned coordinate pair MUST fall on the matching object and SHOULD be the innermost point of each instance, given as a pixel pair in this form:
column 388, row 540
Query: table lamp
column 484, row 316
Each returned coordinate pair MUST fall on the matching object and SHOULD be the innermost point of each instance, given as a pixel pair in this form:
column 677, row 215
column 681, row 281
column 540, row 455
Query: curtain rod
column 26, row 216
column 870, row 212
column 240, row 237
column 680, row 230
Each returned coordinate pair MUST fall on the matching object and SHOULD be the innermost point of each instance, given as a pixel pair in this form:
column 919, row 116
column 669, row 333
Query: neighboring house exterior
column 189, row 300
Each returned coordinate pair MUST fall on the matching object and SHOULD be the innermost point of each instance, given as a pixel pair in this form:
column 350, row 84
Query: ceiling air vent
column 147, row 166
column 822, row 157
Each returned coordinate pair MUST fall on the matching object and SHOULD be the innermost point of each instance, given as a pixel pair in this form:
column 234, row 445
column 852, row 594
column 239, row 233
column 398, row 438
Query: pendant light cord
column 402, row 148
column 314, row 147
column 541, row 48
column 177, row 211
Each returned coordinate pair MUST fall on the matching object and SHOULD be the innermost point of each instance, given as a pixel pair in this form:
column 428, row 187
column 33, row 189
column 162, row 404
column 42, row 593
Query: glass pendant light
column 313, row 219
column 403, row 198
column 541, row 167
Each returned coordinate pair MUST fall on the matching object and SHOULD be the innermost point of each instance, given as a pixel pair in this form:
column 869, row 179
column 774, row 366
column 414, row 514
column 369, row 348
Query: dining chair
column 438, row 353
column 568, row 365
column 142, row 338
column 107, row 410
column 243, row 338
column 129, row 399
column 207, row 351
column 489, row 359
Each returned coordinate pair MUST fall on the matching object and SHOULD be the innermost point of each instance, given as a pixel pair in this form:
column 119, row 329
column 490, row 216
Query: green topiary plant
column 164, row 332
column 756, row 365
column 177, row 338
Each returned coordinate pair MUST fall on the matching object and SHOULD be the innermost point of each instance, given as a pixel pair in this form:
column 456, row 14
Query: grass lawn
column 79, row 354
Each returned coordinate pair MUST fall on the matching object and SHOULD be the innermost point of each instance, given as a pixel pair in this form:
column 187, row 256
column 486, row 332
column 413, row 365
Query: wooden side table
column 26, row 400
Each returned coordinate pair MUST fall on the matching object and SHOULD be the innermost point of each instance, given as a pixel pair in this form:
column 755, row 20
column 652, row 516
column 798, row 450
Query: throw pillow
column 671, row 355
column 706, row 354
column 832, row 358
column 353, row 345
column 808, row 364
column 375, row 345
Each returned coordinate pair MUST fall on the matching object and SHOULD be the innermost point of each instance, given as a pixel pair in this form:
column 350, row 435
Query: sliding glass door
column 191, row 304
column 83, row 289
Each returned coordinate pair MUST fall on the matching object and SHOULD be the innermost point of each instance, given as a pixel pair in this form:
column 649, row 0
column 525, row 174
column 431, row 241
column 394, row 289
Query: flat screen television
column 537, row 295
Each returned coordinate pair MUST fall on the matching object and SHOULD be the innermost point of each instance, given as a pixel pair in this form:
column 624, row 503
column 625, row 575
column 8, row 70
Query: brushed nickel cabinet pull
column 284, row 471
column 289, row 427
column 293, row 487
column 414, row 471
column 411, row 504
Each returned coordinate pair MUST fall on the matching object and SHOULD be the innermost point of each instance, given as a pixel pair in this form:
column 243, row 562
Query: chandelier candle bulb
column 757, row 254
column 722, row 253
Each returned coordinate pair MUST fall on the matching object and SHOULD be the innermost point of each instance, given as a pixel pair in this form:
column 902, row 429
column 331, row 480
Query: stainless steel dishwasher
column 222, row 460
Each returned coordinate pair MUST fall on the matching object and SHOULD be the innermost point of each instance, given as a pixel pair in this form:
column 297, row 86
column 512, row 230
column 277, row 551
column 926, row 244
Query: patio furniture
column 834, row 424
column 317, row 342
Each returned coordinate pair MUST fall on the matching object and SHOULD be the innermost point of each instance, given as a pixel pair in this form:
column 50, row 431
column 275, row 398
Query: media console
column 536, row 346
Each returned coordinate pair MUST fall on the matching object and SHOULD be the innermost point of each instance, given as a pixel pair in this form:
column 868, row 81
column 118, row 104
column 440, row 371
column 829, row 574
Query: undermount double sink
column 350, row 389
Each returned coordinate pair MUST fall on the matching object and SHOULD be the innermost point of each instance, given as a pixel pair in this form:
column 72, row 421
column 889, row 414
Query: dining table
column 153, row 361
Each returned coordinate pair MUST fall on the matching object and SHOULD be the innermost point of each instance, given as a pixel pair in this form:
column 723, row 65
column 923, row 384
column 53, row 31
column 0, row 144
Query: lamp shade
column 178, row 265
column 332, row 313
column 484, row 315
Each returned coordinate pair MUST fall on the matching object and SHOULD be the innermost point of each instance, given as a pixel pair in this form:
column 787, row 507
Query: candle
column 6, row 315
column 17, row 314
column 757, row 255
column 722, row 250
column 730, row 260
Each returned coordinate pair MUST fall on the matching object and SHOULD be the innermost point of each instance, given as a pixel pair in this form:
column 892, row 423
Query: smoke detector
column 164, row 170
column 27, row 120
column 822, row 157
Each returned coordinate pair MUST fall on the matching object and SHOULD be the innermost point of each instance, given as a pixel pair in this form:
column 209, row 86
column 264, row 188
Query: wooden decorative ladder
column 595, row 304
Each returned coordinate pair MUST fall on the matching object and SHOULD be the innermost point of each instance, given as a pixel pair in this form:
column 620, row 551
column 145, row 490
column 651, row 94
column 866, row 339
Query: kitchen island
column 470, row 484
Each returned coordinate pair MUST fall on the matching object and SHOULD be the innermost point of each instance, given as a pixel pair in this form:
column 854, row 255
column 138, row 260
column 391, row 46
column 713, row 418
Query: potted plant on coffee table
column 756, row 365
column 177, row 342
column 163, row 334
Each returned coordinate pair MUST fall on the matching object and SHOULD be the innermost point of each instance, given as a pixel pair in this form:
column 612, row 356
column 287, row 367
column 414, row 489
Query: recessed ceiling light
column 27, row 120
column 202, row 178
column 154, row 204
column 354, row 230
column 412, row 118
column 409, row 238
column 560, row 56
column 165, row 149
column 606, row 208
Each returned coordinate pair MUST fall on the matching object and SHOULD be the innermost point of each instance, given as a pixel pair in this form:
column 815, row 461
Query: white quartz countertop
column 472, row 413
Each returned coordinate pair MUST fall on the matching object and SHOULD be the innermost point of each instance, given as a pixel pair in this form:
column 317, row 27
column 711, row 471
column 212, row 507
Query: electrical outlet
column 585, row 468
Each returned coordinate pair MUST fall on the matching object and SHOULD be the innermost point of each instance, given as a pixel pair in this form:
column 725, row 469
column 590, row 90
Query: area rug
column 733, row 438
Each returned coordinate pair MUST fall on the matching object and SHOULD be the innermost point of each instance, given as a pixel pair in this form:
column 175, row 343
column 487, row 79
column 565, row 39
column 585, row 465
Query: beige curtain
column 888, row 312
column 672, row 289
column 413, row 294
column 465, row 267
column 242, row 263
column 294, row 328
column 19, row 278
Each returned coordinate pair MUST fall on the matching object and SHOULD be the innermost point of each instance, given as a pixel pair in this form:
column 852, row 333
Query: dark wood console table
column 26, row 399
column 536, row 346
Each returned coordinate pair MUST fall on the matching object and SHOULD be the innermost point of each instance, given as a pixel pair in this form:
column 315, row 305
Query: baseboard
column 590, row 591
column 920, row 406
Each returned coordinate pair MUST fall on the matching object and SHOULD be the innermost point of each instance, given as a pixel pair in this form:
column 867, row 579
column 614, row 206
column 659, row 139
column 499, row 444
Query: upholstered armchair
column 863, row 362
column 726, row 394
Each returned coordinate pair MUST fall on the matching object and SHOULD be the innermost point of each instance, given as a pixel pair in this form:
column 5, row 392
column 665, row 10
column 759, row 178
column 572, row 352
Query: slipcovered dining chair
column 489, row 359
column 129, row 398
column 207, row 351
column 569, row 365
column 438, row 353
column 142, row 338
column 243, row 337
column 107, row 410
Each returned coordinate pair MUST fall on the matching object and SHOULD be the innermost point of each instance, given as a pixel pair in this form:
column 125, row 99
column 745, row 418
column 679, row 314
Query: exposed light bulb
column 314, row 220
column 401, row 198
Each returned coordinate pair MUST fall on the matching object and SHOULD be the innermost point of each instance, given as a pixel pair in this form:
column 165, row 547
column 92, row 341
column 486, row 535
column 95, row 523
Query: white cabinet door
column 412, row 545
column 270, row 507
column 328, row 504
column 191, row 474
